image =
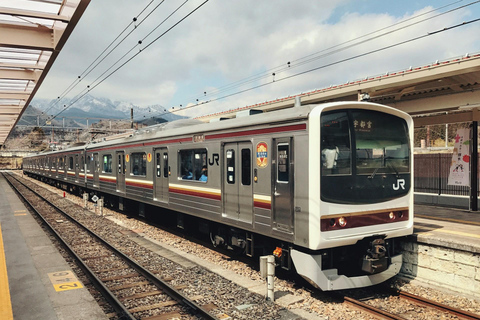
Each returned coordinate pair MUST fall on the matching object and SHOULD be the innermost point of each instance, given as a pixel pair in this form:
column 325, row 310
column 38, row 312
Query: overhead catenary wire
column 88, row 89
column 131, row 58
column 292, row 64
column 94, row 63
column 327, row 65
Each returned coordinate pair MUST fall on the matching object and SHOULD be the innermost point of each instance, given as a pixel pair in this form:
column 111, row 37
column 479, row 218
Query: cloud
column 225, row 42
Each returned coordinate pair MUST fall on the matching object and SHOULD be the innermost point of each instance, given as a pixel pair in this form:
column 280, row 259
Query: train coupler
column 376, row 259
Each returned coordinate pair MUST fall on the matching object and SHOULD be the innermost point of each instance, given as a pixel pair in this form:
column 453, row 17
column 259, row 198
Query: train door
column 65, row 167
column 96, row 170
column 161, row 174
column 77, row 168
column 121, row 169
column 283, row 185
column 237, row 184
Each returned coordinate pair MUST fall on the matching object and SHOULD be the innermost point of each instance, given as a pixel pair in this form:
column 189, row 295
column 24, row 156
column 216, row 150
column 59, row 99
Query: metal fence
column 431, row 175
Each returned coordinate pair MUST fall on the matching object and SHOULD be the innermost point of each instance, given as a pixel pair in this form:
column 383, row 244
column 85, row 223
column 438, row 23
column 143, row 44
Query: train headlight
column 391, row 215
column 342, row 222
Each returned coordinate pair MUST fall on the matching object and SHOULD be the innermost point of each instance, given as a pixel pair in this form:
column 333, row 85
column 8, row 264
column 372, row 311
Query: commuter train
column 327, row 189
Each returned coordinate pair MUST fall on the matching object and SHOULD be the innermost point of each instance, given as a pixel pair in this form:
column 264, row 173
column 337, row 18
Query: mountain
column 92, row 107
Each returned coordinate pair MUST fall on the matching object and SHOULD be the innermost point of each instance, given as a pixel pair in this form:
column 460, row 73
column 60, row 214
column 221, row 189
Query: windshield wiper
column 374, row 173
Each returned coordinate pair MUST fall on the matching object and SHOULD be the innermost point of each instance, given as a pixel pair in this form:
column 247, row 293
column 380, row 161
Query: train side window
column 165, row 165
column 283, row 163
column 107, row 163
column 158, row 164
column 230, row 166
column 191, row 163
column 335, row 144
column 70, row 163
column 138, row 164
column 88, row 159
column 120, row 163
column 246, row 167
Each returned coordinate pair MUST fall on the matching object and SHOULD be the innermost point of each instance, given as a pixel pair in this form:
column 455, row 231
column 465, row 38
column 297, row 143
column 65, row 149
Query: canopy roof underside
column 32, row 33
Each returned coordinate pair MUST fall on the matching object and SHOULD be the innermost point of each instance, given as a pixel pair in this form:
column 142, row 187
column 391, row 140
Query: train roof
column 190, row 126
column 185, row 127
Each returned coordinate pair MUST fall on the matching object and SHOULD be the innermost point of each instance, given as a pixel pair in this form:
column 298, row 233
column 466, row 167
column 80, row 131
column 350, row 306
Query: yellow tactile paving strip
column 5, row 302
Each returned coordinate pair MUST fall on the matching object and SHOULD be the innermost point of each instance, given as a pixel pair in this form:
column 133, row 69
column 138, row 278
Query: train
column 326, row 188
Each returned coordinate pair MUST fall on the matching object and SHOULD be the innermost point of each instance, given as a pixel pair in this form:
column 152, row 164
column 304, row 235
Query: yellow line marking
column 5, row 302
column 447, row 219
column 64, row 280
column 18, row 211
column 458, row 233
column 19, row 214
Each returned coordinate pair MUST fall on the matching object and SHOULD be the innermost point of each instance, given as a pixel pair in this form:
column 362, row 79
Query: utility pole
column 131, row 118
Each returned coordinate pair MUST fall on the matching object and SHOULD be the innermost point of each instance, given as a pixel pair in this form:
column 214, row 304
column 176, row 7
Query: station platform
column 35, row 281
column 455, row 228
column 444, row 250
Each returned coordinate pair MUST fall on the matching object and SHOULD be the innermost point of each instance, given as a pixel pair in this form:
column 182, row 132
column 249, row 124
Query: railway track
column 391, row 305
column 133, row 291
column 405, row 298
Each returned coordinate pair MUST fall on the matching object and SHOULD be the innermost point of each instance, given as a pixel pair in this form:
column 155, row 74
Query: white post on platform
column 100, row 205
column 85, row 200
column 267, row 270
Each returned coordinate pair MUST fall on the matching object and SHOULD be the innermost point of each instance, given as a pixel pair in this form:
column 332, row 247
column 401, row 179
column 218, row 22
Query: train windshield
column 364, row 155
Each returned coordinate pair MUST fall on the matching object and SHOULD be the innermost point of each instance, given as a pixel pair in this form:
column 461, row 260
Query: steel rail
column 379, row 313
column 437, row 305
column 175, row 294
column 120, row 309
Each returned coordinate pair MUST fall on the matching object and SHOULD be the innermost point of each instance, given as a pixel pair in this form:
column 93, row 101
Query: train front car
column 360, row 194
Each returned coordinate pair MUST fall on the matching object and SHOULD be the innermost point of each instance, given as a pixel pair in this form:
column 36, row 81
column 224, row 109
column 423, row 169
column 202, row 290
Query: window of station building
column 191, row 163
column 107, row 163
column 138, row 165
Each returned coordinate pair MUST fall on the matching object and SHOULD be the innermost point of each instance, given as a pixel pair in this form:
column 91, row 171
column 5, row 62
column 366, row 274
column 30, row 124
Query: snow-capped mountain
column 93, row 107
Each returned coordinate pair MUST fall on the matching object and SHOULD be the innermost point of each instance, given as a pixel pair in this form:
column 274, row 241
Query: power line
column 327, row 65
column 131, row 58
column 86, row 72
column 328, row 52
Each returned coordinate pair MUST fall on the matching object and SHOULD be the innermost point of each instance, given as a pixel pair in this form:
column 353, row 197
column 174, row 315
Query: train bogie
column 310, row 184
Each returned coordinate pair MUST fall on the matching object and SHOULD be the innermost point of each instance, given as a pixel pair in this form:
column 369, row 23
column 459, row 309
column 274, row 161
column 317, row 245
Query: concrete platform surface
column 35, row 270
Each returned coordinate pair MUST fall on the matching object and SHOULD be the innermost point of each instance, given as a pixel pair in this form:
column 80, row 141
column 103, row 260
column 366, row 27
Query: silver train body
column 328, row 188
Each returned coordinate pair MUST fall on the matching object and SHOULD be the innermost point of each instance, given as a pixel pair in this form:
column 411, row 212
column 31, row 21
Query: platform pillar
column 474, row 167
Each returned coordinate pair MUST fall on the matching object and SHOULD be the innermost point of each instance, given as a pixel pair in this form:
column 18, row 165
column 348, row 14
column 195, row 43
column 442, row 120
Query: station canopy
column 32, row 33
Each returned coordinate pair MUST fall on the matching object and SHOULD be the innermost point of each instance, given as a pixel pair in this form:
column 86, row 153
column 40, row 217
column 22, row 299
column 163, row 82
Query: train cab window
column 138, row 165
column 335, row 144
column 382, row 144
column 192, row 164
column 246, row 167
column 70, row 163
column 165, row 165
column 230, row 166
column 283, row 163
column 107, row 163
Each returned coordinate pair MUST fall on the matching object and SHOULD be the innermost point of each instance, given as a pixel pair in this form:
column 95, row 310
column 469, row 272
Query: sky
column 226, row 52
